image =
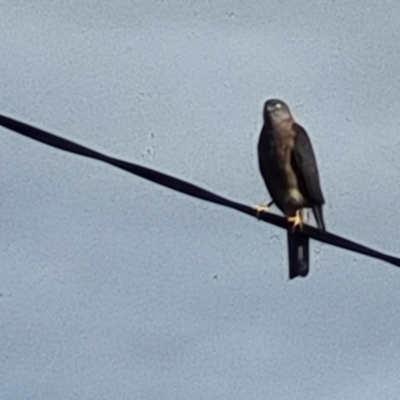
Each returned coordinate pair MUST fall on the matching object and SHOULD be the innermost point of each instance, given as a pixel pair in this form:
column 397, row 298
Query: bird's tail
column 317, row 211
column 298, row 250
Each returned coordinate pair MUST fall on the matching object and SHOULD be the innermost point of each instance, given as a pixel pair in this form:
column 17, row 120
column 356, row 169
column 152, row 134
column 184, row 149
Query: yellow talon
column 297, row 220
column 260, row 208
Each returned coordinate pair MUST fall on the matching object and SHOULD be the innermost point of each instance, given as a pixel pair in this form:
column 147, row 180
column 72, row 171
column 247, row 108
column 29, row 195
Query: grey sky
column 113, row 287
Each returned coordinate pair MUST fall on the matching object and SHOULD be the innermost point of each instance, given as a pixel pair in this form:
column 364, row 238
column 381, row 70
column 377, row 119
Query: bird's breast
column 295, row 196
column 285, row 146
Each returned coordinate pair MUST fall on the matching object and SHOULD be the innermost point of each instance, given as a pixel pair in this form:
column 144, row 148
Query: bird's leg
column 262, row 207
column 297, row 220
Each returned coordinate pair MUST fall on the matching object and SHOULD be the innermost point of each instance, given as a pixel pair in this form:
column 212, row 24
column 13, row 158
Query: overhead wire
column 187, row 188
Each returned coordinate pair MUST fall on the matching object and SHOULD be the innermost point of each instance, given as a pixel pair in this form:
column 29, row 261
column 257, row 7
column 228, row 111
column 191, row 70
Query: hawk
column 289, row 169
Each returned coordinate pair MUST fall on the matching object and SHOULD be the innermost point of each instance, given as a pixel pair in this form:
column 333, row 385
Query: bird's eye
column 278, row 106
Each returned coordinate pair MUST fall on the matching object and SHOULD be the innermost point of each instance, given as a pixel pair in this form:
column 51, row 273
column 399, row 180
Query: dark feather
column 269, row 167
column 306, row 165
column 298, row 252
column 317, row 211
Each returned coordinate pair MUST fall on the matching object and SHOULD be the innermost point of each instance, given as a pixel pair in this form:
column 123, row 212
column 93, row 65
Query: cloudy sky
column 115, row 288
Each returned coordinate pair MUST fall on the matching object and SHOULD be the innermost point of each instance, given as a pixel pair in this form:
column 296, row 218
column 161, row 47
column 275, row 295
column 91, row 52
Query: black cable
column 187, row 188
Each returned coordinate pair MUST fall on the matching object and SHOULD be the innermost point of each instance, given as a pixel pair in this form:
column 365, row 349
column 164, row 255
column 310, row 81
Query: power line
column 187, row 188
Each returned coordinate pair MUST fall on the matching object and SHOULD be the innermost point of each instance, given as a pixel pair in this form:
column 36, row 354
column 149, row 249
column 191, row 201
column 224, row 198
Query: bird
column 288, row 166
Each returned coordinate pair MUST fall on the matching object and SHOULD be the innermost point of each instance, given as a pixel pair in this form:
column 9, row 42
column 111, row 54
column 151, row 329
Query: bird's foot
column 261, row 208
column 297, row 220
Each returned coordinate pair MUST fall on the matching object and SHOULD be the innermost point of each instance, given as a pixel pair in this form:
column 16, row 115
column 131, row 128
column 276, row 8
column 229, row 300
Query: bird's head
column 276, row 112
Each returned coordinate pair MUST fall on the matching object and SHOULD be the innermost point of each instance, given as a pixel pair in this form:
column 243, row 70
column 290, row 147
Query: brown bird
column 289, row 169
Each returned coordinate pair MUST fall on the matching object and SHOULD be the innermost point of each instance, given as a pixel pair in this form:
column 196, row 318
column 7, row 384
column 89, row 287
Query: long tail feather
column 298, row 251
column 317, row 210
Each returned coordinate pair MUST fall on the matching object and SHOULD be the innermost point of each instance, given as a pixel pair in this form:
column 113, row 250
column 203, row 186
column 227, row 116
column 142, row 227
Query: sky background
column 115, row 288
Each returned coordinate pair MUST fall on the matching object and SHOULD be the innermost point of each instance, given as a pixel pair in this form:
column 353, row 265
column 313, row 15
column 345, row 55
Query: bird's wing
column 305, row 165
